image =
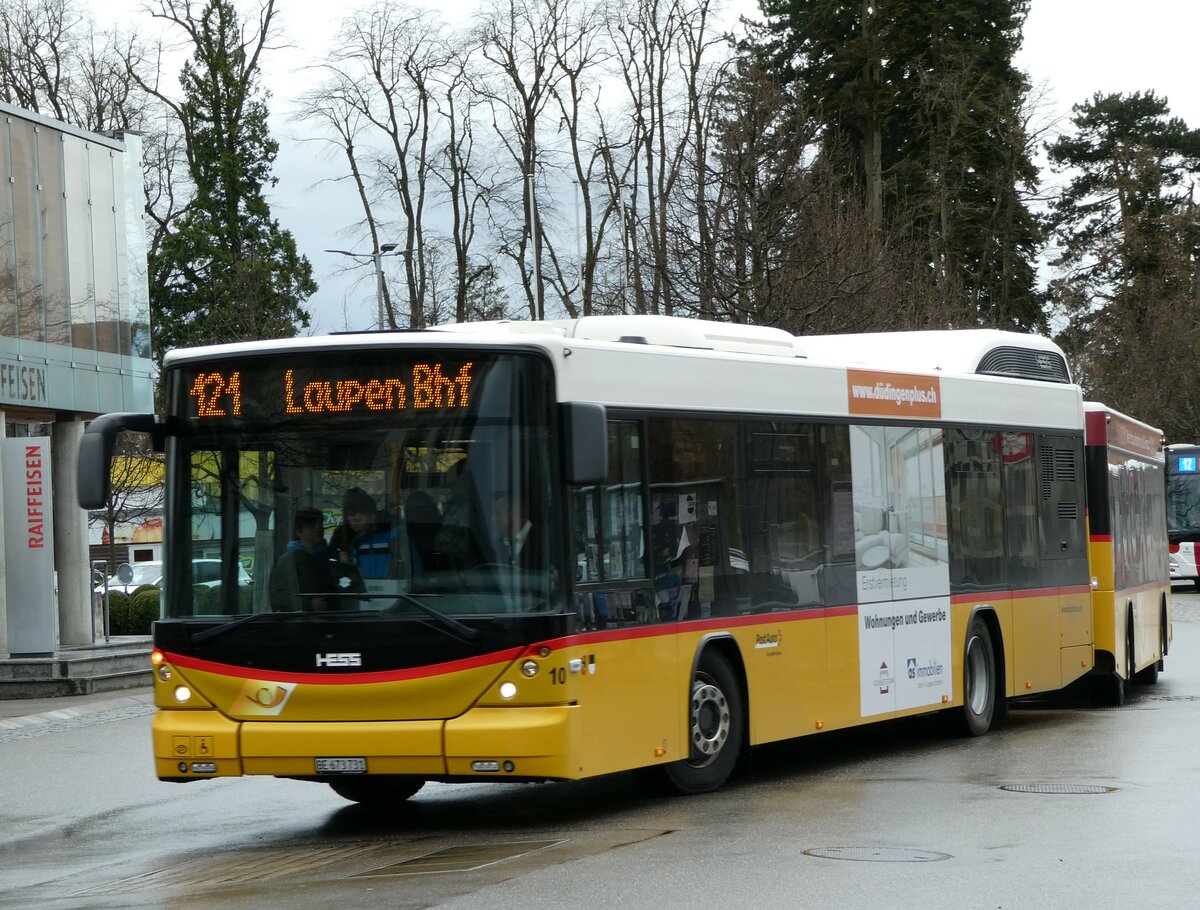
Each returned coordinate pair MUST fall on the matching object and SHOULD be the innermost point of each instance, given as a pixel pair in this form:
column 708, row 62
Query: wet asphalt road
column 893, row 816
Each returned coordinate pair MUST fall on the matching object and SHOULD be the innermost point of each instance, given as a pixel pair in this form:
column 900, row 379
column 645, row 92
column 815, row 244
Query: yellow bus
column 1131, row 578
column 570, row 548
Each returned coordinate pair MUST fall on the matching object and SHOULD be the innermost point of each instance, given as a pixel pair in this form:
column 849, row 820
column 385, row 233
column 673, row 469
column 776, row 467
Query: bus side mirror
column 585, row 434
column 96, row 449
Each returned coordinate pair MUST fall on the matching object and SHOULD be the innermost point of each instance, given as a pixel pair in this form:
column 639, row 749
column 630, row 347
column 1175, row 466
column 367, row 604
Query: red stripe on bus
column 343, row 679
column 982, row 596
column 694, row 625
column 580, row 638
column 1101, row 538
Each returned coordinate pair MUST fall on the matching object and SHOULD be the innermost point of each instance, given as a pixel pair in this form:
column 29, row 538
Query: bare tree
column 656, row 42
column 468, row 181
column 580, row 51
column 517, row 38
column 387, row 77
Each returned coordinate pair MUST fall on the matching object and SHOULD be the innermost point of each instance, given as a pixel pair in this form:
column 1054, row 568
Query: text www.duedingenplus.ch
column 899, row 395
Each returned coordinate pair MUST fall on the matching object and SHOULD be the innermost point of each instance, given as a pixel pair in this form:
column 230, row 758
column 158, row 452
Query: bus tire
column 1108, row 689
column 716, row 728
column 377, row 791
column 979, row 680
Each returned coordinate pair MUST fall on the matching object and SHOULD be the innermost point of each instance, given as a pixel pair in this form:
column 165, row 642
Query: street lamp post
column 376, row 256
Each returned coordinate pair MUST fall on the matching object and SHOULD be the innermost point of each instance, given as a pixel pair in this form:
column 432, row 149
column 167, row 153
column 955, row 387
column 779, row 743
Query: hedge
column 131, row 614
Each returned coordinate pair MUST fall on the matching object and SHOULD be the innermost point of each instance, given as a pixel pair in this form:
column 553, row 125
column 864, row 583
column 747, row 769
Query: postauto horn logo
column 264, row 699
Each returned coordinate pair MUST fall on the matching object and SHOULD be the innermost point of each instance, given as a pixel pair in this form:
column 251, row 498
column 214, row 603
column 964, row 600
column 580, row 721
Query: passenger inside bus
column 304, row 575
column 512, row 541
column 364, row 538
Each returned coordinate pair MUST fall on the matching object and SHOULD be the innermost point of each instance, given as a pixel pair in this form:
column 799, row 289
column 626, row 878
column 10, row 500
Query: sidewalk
column 24, row 712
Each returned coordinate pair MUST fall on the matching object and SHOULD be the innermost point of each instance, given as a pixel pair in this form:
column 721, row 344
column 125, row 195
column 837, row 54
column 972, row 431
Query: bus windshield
column 1183, row 492
column 381, row 483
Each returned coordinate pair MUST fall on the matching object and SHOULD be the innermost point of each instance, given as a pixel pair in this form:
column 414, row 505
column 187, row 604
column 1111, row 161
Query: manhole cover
column 877, row 854
column 1058, row 789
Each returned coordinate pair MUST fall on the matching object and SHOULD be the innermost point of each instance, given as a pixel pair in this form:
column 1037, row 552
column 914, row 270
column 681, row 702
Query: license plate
column 341, row 766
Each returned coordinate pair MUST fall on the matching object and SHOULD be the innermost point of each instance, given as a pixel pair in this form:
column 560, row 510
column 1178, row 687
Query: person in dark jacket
column 303, row 576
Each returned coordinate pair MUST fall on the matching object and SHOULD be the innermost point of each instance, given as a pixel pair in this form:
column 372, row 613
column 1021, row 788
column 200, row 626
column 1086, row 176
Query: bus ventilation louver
column 1022, row 363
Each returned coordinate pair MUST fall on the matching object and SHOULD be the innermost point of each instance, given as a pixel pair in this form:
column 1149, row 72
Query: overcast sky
column 1071, row 50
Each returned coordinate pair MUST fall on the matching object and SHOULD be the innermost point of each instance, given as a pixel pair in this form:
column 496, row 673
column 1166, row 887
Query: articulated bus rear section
column 1127, row 509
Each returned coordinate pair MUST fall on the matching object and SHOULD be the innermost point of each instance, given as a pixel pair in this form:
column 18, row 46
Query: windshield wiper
column 233, row 624
column 448, row 623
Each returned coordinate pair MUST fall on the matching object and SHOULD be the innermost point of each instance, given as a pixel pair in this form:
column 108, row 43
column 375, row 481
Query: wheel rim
column 978, row 682
column 710, row 721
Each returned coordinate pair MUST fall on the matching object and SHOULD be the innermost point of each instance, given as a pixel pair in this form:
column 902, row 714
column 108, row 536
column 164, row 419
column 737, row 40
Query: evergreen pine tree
column 1126, row 231
column 925, row 95
column 226, row 271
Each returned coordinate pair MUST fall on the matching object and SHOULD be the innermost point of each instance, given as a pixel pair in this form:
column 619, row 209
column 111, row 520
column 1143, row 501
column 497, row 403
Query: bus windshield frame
column 391, row 482
column 1183, row 493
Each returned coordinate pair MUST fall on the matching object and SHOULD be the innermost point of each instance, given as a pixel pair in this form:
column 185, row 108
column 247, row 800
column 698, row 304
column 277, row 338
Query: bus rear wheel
column 716, row 728
column 979, row 680
column 377, row 791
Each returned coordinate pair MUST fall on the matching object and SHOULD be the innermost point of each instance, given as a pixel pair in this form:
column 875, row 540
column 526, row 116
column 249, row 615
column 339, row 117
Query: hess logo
column 335, row 659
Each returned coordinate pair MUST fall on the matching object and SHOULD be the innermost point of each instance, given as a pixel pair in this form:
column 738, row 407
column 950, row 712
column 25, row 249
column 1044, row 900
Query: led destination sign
column 256, row 391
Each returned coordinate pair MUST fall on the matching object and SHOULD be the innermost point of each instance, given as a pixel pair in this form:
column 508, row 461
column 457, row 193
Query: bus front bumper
column 485, row 743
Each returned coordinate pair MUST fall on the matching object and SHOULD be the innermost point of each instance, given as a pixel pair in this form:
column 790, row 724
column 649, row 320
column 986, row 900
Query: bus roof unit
column 983, row 351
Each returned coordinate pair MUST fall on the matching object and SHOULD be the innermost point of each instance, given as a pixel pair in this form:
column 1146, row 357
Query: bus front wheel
column 979, row 680
column 716, row 728
column 376, row 791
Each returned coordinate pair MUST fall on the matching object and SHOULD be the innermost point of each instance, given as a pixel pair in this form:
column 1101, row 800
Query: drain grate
column 877, row 854
column 1058, row 789
column 463, row 858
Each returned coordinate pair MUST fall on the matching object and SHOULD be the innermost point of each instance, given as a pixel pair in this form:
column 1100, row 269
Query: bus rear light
column 1173, row 548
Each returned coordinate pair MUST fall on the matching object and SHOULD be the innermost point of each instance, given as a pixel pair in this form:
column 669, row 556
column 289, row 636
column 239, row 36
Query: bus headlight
column 530, row 668
column 164, row 672
column 508, row 690
column 182, row 694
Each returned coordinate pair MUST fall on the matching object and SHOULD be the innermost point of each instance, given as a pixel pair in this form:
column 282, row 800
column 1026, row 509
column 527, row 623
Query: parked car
column 205, row 572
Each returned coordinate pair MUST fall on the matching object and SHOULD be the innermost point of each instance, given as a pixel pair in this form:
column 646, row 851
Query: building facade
column 74, row 343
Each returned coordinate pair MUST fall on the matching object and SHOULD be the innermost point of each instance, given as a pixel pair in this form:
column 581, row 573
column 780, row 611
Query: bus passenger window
column 608, row 532
column 695, row 533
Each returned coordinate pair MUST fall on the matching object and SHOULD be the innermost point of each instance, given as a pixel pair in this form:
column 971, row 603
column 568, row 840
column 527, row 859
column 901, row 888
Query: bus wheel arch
column 984, row 701
column 717, row 722
column 1130, row 661
column 1164, row 628
column 1148, row 675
